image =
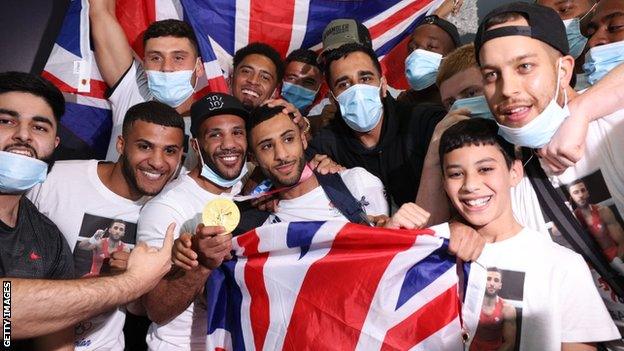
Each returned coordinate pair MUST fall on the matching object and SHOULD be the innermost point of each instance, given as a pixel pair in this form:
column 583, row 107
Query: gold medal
column 221, row 212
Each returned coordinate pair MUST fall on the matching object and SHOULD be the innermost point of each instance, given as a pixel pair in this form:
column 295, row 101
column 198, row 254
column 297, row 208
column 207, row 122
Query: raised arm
column 112, row 51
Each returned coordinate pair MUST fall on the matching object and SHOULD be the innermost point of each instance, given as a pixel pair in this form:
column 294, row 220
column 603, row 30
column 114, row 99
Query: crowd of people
column 514, row 140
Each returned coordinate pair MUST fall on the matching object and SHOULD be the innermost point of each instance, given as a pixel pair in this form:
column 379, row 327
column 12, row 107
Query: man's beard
column 130, row 177
column 286, row 182
column 211, row 164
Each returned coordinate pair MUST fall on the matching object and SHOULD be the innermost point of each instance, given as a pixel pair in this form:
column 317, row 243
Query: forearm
column 174, row 293
column 430, row 196
column 603, row 98
column 40, row 307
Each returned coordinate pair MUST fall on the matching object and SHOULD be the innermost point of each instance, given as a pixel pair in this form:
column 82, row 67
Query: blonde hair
column 457, row 61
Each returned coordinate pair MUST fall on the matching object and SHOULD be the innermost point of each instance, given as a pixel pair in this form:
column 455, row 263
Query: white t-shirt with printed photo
column 182, row 202
column 131, row 90
column 552, row 292
column 602, row 171
column 316, row 206
column 76, row 200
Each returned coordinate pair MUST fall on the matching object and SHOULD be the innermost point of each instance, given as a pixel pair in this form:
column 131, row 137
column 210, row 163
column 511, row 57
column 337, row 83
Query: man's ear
column 120, row 145
column 566, row 71
column 516, row 172
column 304, row 140
column 383, row 86
column 57, row 140
column 275, row 93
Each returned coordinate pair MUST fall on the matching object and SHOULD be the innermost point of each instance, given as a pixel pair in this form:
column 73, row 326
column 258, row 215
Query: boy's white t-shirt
column 76, row 200
column 316, row 206
column 182, row 202
column 551, row 290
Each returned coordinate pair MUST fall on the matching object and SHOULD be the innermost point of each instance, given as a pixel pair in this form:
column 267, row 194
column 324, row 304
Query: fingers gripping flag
column 337, row 286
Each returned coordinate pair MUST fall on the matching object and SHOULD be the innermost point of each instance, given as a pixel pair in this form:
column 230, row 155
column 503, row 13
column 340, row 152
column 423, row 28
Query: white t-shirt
column 602, row 171
column 182, row 202
column 129, row 91
column 83, row 208
column 551, row 290
column 315, row 205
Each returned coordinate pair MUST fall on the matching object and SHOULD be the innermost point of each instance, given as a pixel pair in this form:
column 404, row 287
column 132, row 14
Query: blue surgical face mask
column 213, row 177
column 541, row 129
column 19, row 173
column 298, row 95
column 601, row 59
column 477, row 105
column 171, row 88
column 361, row 107
column 421, row 68
column 576, row 40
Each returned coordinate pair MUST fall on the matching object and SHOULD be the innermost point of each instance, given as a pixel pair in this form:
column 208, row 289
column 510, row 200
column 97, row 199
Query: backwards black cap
column 445, row 25
column 544, row 25
column 215, row 104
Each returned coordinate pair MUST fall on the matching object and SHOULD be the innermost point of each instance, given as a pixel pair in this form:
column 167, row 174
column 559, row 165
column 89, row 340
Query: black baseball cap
column 445, row 25
column 215, row 104
column 544, row 25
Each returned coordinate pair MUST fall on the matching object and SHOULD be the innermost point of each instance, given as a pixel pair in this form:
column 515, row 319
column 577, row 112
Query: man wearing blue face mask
column 432, row 40
column 370, row 129
column 302, row 79
column 169, row 70
column 31, row 246
column 526, row 70
column 218, row 128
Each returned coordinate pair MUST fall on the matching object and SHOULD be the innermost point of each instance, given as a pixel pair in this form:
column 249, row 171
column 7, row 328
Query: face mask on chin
column 171, row 88
column 541, row 129
column 18, row 173
column 212, row 176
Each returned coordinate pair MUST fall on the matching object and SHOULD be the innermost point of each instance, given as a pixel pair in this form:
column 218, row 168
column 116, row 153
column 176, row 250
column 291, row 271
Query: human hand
column 183, row 255
column 323, row 164
column 147, row 265
column 567, row 146
column 465, row 242
column 265, row 203
column 118, row 261
column 212, row 245
column 289, row 109
column 409, row 216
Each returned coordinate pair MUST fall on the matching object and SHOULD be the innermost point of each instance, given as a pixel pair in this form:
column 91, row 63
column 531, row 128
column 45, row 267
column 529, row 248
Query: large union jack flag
column 222, row 27
column 337, row 286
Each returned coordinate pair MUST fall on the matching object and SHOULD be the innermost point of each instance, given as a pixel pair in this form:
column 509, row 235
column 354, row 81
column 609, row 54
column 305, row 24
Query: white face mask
column 541, row 129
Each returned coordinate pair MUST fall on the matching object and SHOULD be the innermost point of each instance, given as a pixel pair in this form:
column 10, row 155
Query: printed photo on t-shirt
column 98, row 238
column 500, row 320
column 593, row 206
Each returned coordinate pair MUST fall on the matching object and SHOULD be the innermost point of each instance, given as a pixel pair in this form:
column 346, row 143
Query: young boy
column 539, row 295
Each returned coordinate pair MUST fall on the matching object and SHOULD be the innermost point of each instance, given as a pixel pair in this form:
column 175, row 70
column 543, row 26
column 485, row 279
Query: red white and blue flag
column 222, row 27
column 341, row 286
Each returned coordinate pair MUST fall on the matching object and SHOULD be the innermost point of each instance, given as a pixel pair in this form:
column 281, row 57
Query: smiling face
column 27, row 125
column 478, row 183
column 520, row 76
column 223, row 144
column 607, row 23
column 278, row 147
column 150, row 154
column 254, row 80
column 465, row 84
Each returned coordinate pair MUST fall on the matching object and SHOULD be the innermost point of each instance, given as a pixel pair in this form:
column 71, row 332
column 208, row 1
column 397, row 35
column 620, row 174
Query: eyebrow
column 483, row 160
column 512, row 60
column 281, row 135
column 613, row 15
column 42, row 119
column 161, row 53
column 15, row 114
column 11, row 113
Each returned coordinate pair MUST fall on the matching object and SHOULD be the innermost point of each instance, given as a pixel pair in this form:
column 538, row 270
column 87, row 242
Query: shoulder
column 44, row 227
column 70, row 167
column 359, row 175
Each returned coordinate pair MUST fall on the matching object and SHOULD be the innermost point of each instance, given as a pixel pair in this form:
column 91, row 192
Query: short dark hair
column 343, row 51
column 475, row 132
column 494, row 269
column 260, row 114
column 152, row 112
column 305, row 56
column 35, row 85
column 171, row 28
column 264, row 50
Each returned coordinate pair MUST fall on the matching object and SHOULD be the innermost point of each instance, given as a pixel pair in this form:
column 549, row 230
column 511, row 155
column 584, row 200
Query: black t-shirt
column 35, row 248
column 398, row 157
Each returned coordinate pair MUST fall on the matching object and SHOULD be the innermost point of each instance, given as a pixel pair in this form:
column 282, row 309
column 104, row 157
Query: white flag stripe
column 241, row 30
column 446, row 336
column 220, row 338
column 299, row 25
